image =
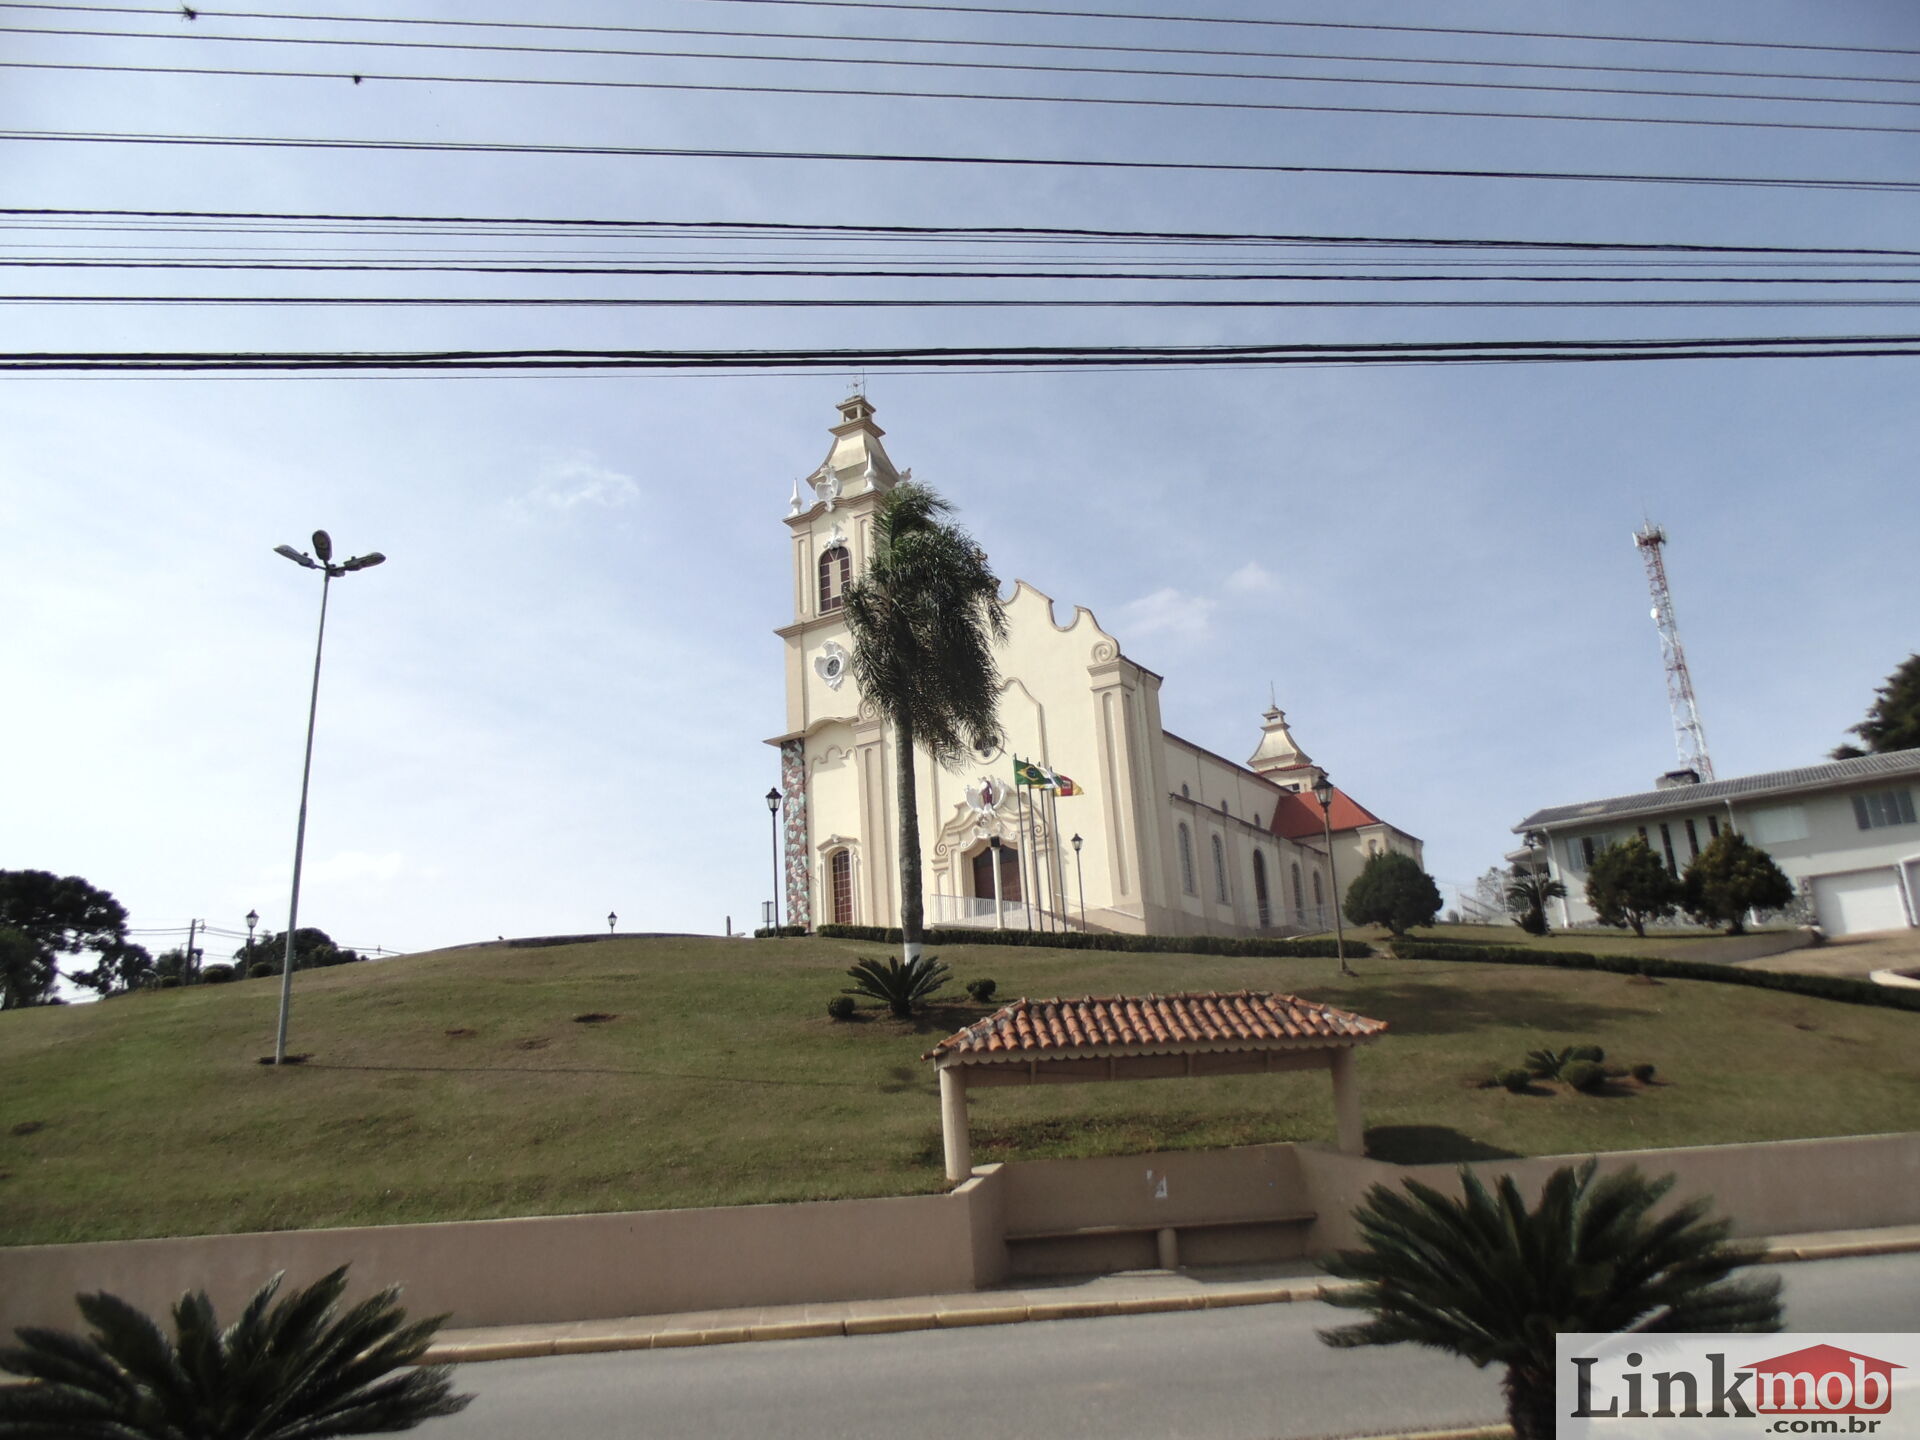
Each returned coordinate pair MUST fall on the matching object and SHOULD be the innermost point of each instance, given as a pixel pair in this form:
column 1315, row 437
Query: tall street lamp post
column 774, row 797
column 1323, row 792
column 329, row 572
column 253, row 919
column 1081, row 875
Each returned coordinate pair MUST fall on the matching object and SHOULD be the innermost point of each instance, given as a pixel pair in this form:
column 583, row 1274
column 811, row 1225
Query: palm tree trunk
column 912, row 907
column 1530, row 1403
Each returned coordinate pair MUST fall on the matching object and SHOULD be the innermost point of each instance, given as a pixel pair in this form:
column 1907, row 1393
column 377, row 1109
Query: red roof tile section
column 1296, row 814
column 1031, row 1028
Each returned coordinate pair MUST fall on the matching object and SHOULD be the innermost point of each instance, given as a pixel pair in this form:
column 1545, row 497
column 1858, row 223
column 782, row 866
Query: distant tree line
column 48, row 921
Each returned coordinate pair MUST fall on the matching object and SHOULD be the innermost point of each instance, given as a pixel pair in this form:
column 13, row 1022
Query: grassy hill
column 460, row 1084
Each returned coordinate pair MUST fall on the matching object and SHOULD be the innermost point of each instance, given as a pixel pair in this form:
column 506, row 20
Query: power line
column 954, row 357
column 911, row 63
column 1328, row 25
column 625, row 302
column 660, row 152
column 786, row 229
column 869, row 92
column 788, row 272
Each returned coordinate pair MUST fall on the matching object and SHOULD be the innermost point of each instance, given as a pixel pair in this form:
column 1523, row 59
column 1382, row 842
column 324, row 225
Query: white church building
column 1165, row 837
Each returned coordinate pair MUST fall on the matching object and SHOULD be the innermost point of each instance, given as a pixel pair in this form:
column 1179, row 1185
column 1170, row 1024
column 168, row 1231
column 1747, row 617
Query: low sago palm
column 1483, row 1277
column 298, row 1370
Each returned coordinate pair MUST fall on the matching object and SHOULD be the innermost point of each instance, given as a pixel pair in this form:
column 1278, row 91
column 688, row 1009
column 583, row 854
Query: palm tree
column 1485, row 1278
column 300, row 1370
column 1528, row 895
column 925, row 617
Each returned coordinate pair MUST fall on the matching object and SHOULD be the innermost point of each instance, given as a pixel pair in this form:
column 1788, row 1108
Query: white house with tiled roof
column 1173, row 838
column 1847, row 833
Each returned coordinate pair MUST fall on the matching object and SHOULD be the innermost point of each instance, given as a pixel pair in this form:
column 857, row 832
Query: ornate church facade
column 1164, row 836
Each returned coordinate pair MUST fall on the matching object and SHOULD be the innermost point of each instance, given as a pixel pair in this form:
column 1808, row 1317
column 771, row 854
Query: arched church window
column 1299, row 897
column 1219, row 871
column 836, row 573
column 1319, row 895
column 1260, row 898
column 1186, row 861
column 840, row 871
column 1185, row 793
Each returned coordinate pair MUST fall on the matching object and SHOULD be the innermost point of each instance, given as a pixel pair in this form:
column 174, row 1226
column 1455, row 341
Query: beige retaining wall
column 583, row 1267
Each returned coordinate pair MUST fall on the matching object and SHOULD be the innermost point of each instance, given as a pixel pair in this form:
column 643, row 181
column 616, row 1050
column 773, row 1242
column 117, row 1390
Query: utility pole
column 187, row 967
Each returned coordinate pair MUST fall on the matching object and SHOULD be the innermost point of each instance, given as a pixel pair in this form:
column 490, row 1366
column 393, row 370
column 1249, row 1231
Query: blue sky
column 550, row 702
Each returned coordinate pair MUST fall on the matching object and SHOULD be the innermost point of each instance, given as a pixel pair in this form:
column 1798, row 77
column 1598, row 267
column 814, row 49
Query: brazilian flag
column 1025, row 772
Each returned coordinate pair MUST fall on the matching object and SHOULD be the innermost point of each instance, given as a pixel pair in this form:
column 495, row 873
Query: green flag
column 1025, row 772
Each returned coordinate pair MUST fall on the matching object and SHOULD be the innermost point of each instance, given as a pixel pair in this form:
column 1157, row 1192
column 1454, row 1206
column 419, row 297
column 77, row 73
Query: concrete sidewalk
column 1142, row 1292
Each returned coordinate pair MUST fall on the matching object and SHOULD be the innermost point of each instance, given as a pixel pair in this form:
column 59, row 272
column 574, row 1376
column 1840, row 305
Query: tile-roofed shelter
column 1149, row 1037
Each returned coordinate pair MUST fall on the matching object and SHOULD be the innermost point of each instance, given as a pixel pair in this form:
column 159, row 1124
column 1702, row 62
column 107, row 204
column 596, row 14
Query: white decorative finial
column 794, row 506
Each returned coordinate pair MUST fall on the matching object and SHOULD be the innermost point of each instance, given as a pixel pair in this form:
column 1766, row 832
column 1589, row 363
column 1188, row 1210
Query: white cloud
column 576, row 481
column 1253, row 578
column 1167, row 611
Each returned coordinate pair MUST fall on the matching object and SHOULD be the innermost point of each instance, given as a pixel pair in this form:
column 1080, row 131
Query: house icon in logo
column 1823, row 1380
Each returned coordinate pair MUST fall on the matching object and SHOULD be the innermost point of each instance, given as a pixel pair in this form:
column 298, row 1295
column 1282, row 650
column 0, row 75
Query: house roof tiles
column 1242, row 1019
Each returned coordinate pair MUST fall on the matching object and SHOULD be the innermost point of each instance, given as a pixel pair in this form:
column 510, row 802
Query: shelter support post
column 1348, row 1124
column 953, row 1122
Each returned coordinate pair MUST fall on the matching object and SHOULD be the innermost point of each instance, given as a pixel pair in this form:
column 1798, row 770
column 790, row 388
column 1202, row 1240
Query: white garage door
column 1859, row 900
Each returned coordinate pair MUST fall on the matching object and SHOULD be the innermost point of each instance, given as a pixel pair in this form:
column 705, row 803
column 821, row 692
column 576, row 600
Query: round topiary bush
column 840, row 1007
column 1516, row 1081
column 1587, row 1052
column 167, row 982
column 259, row 970
column 216, row 975
column 982, row 990
column 1584, row 1075
column 1642, row 1072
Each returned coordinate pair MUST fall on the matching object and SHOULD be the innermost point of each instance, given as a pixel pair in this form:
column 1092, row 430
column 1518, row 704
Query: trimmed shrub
column 1132, row 944
column 1584, row 1075
column 167, row 982
column 1392, row 890
column 982, row 990
column 840, row 1007
column 1587, row 1052
column 216, row 975
column 259, row 970
column 1515, row 1081
column 779, row 931
column 1642, row 1072
column 1819, row 987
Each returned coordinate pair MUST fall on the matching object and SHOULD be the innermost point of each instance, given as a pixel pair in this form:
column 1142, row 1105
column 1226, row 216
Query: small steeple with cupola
column 1279, row 756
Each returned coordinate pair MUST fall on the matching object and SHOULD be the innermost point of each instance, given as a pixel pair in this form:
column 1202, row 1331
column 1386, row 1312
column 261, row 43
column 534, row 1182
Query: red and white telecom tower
column 1688, row 734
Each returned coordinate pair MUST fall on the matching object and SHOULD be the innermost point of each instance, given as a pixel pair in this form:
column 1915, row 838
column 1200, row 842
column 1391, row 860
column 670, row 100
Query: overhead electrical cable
column 662, row 152
column 823, row 37
column 867, row 92
column 755, row 303
column 962, row 357
column 785, row 229
column 1190, row 19
column 357, row 267
column 910, row 63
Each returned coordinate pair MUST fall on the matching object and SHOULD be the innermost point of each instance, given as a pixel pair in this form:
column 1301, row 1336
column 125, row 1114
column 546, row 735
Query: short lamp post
column 612, row 920
column 1080, row 874
column 1323, row 792
column 774, row 797
column 253, row 919
column 329, row 572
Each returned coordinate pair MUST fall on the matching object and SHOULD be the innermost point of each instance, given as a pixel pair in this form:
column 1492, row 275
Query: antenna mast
column 1689, row 736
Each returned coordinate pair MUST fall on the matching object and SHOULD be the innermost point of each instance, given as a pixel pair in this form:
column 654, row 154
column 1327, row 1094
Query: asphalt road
column 1256, row 1373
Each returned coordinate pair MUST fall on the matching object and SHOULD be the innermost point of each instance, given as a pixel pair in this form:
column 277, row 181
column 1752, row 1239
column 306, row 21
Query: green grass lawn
column 458, row 1084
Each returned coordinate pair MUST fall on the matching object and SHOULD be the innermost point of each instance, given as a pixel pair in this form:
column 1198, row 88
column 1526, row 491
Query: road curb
column 473, row 1352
